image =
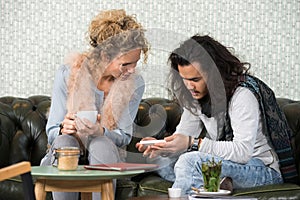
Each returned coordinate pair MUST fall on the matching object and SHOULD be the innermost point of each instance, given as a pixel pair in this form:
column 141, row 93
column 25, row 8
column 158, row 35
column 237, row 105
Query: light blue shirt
column 120, row 136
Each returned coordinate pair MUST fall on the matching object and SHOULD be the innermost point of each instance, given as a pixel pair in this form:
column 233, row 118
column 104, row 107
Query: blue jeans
column 254, row 173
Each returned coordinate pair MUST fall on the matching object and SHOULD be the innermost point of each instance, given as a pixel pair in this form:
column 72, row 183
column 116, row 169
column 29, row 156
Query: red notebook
column 123, row 166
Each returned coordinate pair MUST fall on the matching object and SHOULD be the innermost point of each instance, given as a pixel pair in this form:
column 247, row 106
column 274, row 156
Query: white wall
column 37, row 35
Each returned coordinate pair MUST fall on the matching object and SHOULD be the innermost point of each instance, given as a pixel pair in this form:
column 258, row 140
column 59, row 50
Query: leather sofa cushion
column 153, row 185
column 125, row 188
column 280, row 191
column 22, row 133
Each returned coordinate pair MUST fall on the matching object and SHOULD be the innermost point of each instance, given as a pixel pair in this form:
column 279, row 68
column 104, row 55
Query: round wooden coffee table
column 49, row 179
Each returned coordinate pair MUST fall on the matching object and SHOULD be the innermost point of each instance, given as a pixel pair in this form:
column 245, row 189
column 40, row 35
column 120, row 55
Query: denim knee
column 65, row 141
column 103, row 150
column 60, row 141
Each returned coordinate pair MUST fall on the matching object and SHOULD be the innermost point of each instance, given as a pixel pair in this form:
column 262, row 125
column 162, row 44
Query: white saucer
column 220, row 192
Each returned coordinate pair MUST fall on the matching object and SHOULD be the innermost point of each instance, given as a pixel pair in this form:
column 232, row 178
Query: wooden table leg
column 40, row 193
column 85, row 187
column 86, row 196
column 107, row 190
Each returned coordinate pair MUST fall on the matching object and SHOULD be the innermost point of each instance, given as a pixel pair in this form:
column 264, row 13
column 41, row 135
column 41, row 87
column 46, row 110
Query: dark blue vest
column 274, row 122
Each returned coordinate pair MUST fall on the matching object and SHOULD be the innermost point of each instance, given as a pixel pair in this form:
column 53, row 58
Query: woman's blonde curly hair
column 113, row 31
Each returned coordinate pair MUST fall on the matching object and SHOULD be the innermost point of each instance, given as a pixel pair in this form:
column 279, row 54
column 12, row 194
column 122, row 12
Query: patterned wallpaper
column 37, row 35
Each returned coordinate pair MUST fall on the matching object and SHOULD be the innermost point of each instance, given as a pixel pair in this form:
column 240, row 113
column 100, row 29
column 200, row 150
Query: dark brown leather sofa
column 23, row 137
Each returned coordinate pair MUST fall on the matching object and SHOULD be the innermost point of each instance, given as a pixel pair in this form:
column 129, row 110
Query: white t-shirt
column 246, row 123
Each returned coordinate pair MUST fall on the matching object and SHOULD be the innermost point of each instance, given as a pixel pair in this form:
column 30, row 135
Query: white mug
column 91, row 115
column 174, row 192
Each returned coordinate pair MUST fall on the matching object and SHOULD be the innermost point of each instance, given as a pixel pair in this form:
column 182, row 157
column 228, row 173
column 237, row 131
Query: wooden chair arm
column 15, row 170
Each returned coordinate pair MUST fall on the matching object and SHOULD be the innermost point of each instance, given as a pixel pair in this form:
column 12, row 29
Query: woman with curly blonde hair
column 103, row 79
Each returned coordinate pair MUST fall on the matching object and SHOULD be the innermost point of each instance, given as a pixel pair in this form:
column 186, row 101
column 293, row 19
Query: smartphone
column 150, row 142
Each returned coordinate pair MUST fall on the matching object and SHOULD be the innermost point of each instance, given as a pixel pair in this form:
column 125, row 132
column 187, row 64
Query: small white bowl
column 174, row 192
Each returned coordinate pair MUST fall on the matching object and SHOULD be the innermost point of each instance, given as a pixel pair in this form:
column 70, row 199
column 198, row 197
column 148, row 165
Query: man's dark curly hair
column 222, row 70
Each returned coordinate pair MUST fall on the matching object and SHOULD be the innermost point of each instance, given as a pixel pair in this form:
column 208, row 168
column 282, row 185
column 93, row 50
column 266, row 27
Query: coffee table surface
column 157, row 197
column 165, row 197
column 50, row 172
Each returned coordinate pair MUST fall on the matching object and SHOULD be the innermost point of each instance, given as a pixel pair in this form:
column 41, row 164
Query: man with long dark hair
column 227, row 115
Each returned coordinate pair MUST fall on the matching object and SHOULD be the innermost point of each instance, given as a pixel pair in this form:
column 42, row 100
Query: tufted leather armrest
column 291, row 110
column 22, row 132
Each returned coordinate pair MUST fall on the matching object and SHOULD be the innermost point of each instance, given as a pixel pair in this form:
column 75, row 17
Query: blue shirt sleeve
column 58, row 103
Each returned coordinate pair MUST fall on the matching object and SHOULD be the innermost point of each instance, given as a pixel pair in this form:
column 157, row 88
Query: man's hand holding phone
column 170, row 145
